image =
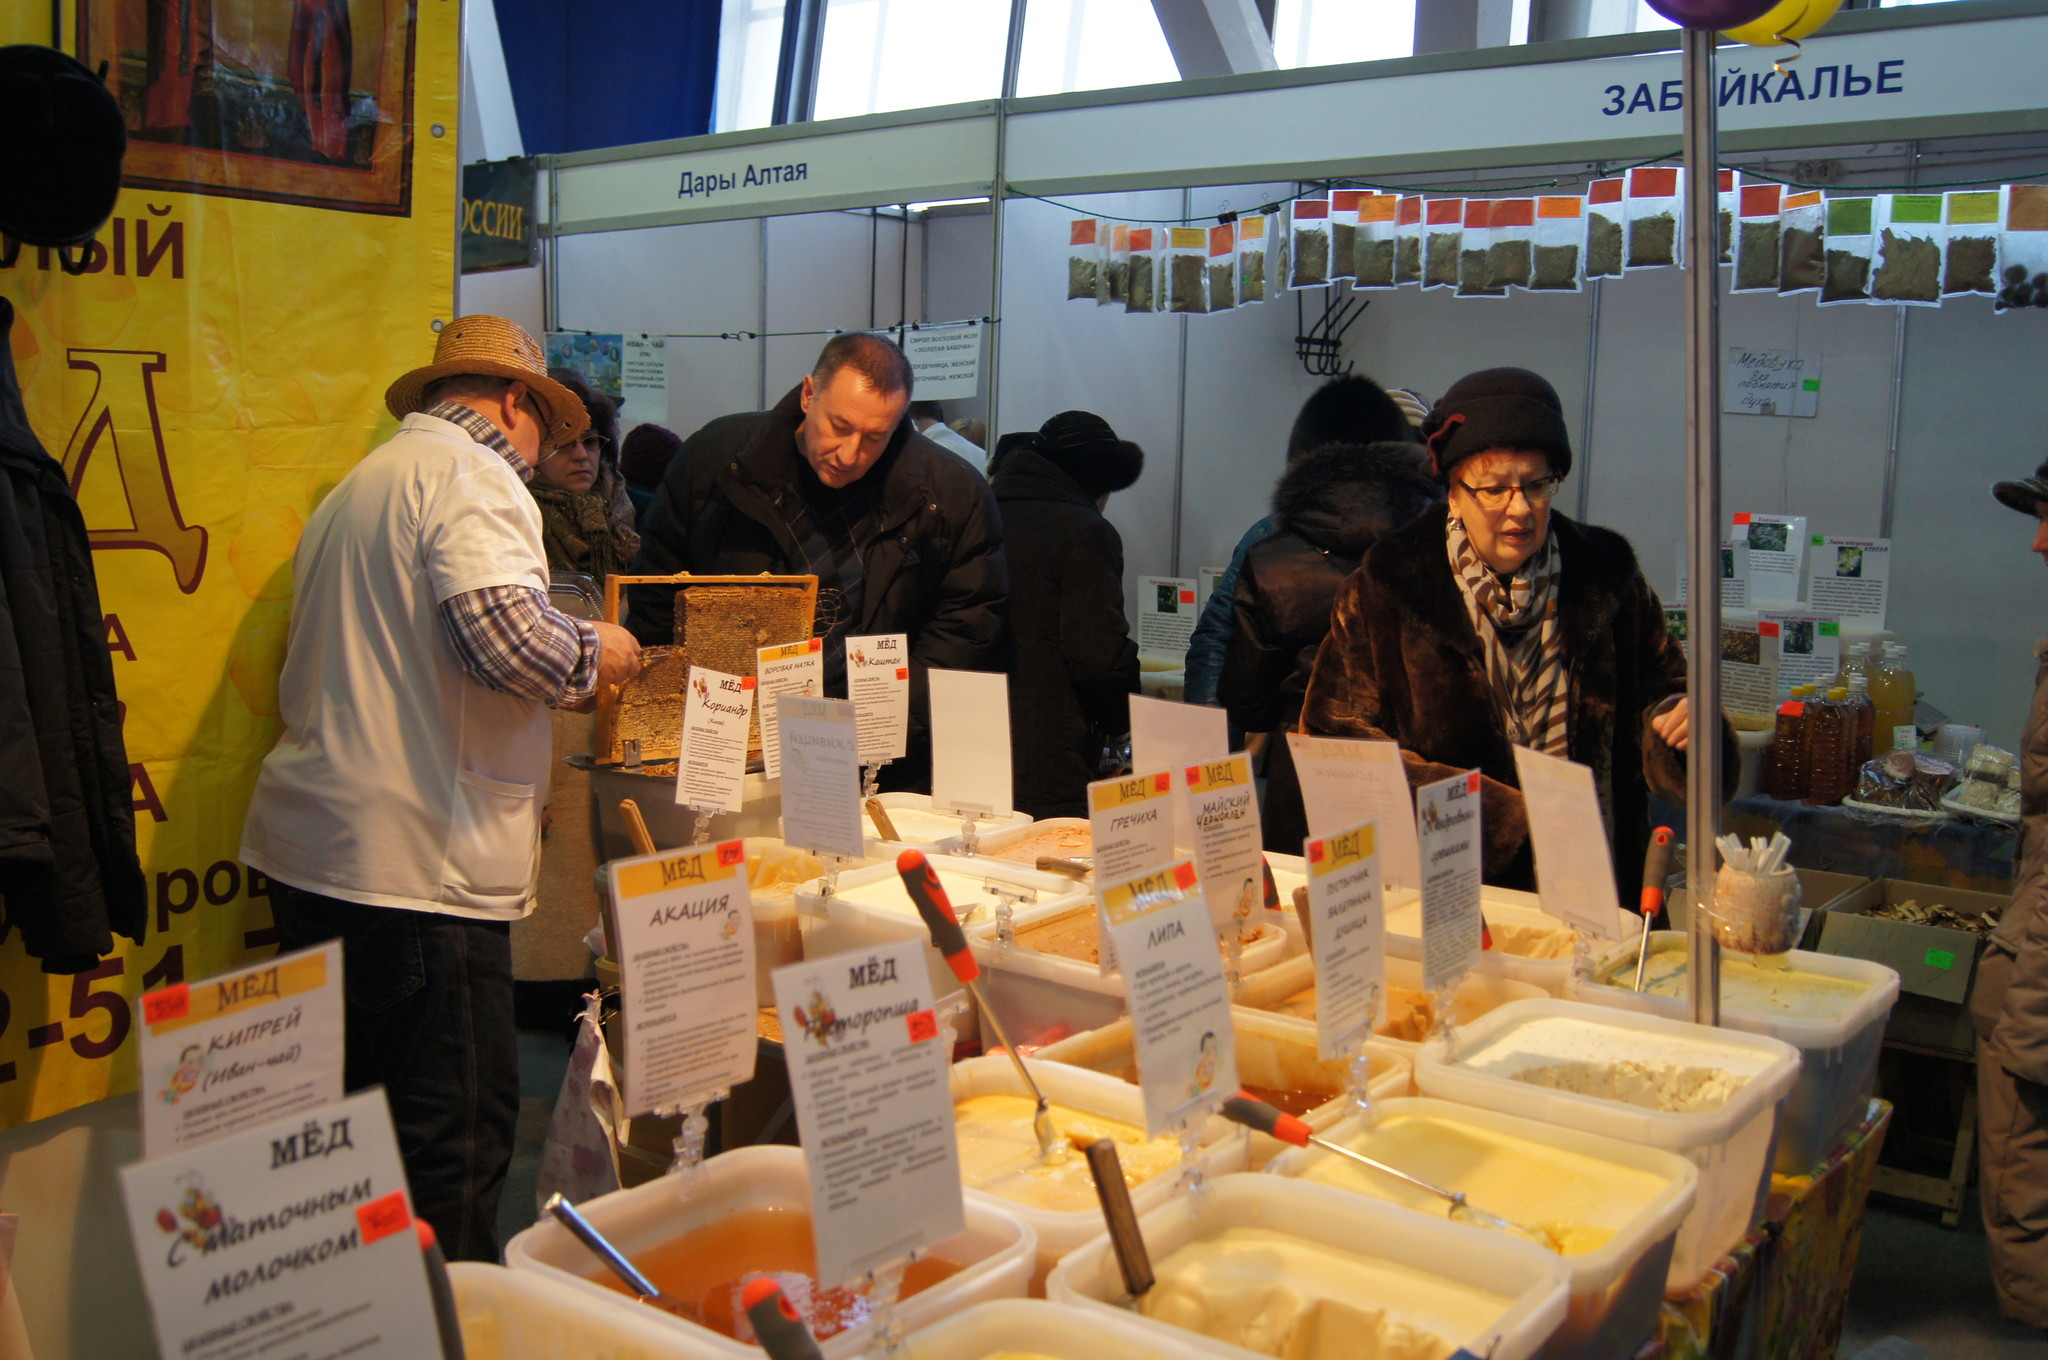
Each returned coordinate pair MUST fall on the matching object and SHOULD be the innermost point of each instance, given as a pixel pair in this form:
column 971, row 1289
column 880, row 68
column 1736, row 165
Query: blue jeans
column 430, row 1020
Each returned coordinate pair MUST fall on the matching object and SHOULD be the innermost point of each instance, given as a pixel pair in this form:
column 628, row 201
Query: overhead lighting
column 943, row 203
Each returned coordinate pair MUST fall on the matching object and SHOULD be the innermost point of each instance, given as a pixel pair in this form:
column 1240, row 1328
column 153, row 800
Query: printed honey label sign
column 1180, row 1004
column 1348, row 920
column 1224, row 804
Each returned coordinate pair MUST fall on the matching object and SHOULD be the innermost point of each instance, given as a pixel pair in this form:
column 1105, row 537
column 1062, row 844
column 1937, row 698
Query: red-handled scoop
column 1656, row 869
column 776, row 1325
column 921, row 881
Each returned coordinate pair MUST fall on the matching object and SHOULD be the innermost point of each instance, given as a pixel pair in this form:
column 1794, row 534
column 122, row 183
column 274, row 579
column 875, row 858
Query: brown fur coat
column 1402, row 663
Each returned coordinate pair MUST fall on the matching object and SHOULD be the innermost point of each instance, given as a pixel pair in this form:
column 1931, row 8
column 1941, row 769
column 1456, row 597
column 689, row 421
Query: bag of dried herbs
column 1309, row 219
column 1603, row 228
column 1444, row 237
column 1560, row 233
column 1509, row 259
column 1849, row 244
column 2023, row 249
column 1222, row 267
column 1119, row 266
column 1187, row 264
column 1969, row 257
column 1726, row 197
column 1475, row 247
column 1757, row 245
column 1909, row 240
column 1251, row 258
column 1344, row 232
column 1802, row 261
column 1653, row 217
column 1374, row 257
column 1408, row 240
column 1142, row 290
column 1084, row 258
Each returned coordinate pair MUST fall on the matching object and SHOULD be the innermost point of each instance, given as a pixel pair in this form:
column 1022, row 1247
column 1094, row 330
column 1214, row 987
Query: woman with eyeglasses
column 587, row 519
column 1493, row 622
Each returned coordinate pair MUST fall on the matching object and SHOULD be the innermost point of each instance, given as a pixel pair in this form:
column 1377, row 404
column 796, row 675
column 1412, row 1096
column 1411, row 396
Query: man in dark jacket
column 833, row 482
column 1331, row 506
column 1073, row 666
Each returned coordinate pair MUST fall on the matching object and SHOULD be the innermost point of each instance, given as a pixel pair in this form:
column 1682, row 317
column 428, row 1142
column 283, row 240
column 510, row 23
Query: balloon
column 1793, row 19
column 1721, row 14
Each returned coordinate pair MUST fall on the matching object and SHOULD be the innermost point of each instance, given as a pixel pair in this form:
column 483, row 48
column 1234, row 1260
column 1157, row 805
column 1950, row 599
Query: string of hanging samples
column 1850, row 248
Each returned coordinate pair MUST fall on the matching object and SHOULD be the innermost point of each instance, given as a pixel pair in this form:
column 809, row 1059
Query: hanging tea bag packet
column 1119, row 267
column 1187, row 263
column 1309, row 219
column 1475, row 247
column 1757, row 232
column 1408, row 239
column 1560, row 234
column 1279, row 253
column 1374, row 256
column 1603, row 228
column 1222, row 265
column 1105, row 241
column 1251, row 258
column 1653, row 217
column 1909, row 237
column 1084, row 258
column 1850, row 239
column 1969, row 258
column 1141, row 289
column 1344, row 232
column 1727, row 198
column 1509, row 259
column 1802, row 259
column 2023, row 249
column 1443, row 238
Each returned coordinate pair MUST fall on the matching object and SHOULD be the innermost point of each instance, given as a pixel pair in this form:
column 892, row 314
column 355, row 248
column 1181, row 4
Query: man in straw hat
column 400, row 812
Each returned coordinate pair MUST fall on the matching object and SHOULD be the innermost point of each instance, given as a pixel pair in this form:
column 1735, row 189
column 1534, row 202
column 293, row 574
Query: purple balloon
column 1714, row 14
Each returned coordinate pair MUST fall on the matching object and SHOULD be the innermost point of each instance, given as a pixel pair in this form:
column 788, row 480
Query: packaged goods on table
column 1905, row 780
column 1913, row 912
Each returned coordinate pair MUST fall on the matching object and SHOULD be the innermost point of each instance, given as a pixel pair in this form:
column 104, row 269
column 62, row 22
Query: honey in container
column 708, row 1267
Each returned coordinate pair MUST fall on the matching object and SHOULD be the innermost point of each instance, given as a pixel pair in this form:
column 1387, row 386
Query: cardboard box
column 1936, row 964
column 1818, row 890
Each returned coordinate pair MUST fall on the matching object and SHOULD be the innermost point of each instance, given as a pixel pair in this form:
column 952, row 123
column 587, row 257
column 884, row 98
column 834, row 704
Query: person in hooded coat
column 1073, row 666
column 1331, row 506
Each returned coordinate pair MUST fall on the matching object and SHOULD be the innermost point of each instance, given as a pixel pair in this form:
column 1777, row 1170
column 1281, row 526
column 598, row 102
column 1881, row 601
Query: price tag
column 1350, row 926
column 289, row 1238
column 1171, row 736
column 798, row 668
column 686, row 974
column 1180, row 1003
column 1447, row 831
column 970, row 742
column 1345, row 782
column 1574, row 866
column 820, row 776
column 878, row 682
column 718, row 717
column 241, row 1049
column 1225, row 805
column 867, row 1069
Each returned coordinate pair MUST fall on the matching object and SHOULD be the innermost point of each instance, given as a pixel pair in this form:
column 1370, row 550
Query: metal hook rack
column 1321, row 347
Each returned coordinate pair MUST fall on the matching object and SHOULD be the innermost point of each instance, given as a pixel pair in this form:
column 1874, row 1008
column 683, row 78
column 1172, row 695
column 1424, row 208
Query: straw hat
column 496, row 348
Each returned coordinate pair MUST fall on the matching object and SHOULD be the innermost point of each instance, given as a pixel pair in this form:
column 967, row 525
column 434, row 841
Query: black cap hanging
column 61, row 144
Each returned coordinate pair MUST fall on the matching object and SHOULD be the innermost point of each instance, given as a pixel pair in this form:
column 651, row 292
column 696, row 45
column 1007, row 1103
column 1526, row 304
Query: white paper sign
column 868, row 1072
column 1770, row 382
column 797, row 668
column 1447, row 831
column 1574, row 866
column 1734, row 576
column 970, row 742
column 1224, row 803
column 1167, row 614
column 294, row 1238
column 1849, row 578
column 878, row 682
column 1166, row 735
column 1180, row 1003
column 945, row 361
column 1348, row 918
column 1809, row 648
column 686, row 974
column 1345, row 783
column 820, row 776
column 643, row 381
column 240, row 1049
column 1131, row 822
column 1777, row 556
column 1749, row 668
column 718, row 718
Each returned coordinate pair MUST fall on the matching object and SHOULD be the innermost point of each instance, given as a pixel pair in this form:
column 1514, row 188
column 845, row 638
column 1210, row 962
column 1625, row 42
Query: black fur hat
column 1352, row 409
column 1497, row 408
column 1081, row 444
column 60, row 163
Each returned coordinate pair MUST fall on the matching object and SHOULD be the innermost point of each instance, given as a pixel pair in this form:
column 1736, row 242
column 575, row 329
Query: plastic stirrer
column 1244, row 1109
column 880, row 816
column 1656, row 869
column 921, row 881
column 580, row 1228
column 1078, row 868
column 1125, row 1240
column 776, row 1325
column 1308, row 923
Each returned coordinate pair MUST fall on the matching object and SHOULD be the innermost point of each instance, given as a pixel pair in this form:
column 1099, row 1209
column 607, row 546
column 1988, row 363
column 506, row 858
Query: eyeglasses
column 593, row 445
column 1539, row 492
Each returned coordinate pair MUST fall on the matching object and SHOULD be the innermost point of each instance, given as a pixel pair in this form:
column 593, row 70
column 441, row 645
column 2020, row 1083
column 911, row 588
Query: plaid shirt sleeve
column 510, row 639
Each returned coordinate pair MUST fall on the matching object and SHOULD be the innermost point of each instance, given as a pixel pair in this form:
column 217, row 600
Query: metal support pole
column 1582, row 463
column 1013, row 56
column 1703, row 507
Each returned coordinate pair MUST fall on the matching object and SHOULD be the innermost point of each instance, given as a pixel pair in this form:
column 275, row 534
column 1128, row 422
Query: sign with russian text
column 878, row 682
column 1345, row 782
column 498, row 227
column 820, row 776
column 1167, row 614
column 1224, row 803
column 1849, row 578
column 1180, row 1003
column 718, row 719
column 1166, row 735
column 945, row 361
column 1349, row 923
column 1574, row 867
column 1777, row 548
column 794, row 668
column 1447, row 830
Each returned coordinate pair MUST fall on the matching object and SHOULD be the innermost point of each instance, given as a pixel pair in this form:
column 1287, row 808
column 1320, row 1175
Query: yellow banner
column 283, row 246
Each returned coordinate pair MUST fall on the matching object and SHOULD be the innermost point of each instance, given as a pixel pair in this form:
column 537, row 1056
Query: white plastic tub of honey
column 1090, row 1093
column 1520, row 1287
column 1477, row 994
column 1034, row 1327
column 995, row 1253
column 509, row 1315
column 775, row 872
column 920, row 826
column 1515, row 918
column 1054, row 837
column 1636, row 1195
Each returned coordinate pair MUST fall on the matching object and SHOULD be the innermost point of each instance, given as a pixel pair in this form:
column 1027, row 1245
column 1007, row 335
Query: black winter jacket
column 934, row 567
column 68, row 870
column 1073, row 666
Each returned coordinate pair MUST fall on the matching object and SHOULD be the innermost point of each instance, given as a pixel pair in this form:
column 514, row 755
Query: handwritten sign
column 1180, row 1004
column 1770, row 382
column 1349, row 921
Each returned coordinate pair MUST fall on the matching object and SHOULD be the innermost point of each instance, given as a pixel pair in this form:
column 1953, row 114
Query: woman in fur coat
column 1493, row 622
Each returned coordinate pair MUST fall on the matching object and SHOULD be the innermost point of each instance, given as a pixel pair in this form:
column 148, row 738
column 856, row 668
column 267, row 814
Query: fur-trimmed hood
column 1343, row 498
column 1352, row 409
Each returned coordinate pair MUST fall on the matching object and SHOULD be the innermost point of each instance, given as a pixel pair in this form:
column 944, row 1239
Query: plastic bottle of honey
column 1829, row 724
column 1893, row 690
column 1855, row 662
column 1787, row 778
column 1863, row 730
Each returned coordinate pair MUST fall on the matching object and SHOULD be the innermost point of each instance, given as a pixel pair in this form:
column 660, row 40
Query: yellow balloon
column 1791, row 19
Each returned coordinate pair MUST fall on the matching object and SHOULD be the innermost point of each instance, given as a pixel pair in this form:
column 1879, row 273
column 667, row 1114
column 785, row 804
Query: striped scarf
column 1526, row 667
